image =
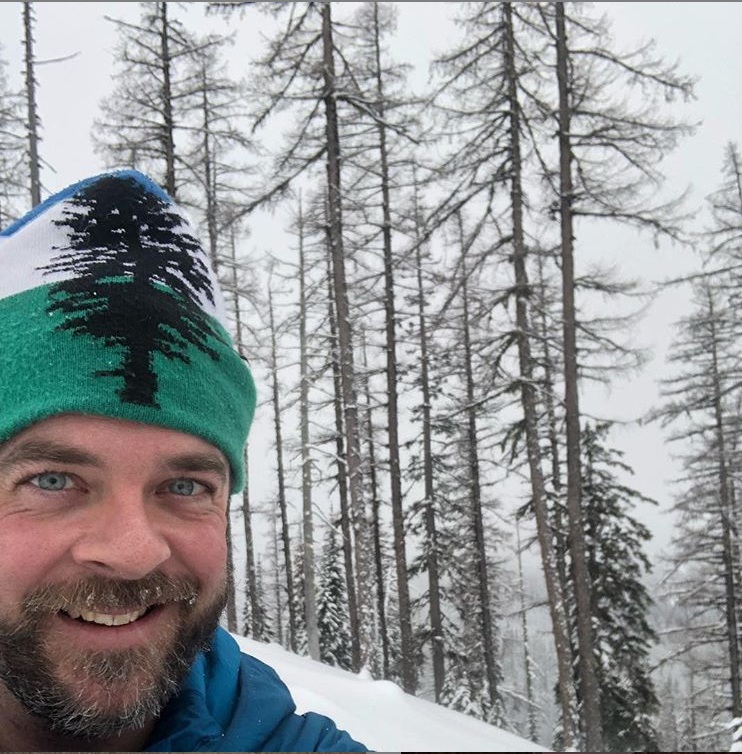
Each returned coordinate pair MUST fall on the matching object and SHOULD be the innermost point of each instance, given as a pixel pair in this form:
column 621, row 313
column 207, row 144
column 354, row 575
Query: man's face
column 112, row 568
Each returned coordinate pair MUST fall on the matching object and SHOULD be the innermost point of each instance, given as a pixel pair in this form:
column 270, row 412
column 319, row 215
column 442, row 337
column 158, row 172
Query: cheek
column 28, row 555
column 203, row 551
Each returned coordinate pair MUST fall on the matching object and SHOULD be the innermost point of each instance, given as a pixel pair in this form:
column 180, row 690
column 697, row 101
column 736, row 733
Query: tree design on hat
column 138, row 276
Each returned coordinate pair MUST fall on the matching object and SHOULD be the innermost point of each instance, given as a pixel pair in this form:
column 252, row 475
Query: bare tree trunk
column 557, row 607
column 727, row 522
column 409, row 681
column 342, row 477
column 256, row 609
column 257, row 623
column 310, row 596
column 277, row 585
column 375, row 519
column 282, row 503
column 475, row 499
column 431, row 531
column 735, row 525
column 232, row 622
column 168, row 137
column 209, row 177
column 345, row 346
column 589, row 691
column 32, row 124
column 231, row 597
column 558, row 526
column 527, row 660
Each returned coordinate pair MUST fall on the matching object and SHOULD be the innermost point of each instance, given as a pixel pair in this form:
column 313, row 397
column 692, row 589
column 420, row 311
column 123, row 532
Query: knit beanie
column 109, row 307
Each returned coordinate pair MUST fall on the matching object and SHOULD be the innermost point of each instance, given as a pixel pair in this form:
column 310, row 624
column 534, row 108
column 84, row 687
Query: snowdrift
column 378, row 713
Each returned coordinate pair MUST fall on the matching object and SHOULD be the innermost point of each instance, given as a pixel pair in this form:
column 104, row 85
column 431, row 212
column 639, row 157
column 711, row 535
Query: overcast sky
column 703, row 37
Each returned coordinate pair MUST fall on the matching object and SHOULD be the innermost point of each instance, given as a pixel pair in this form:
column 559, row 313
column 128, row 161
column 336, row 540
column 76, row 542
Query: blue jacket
column 230, row 701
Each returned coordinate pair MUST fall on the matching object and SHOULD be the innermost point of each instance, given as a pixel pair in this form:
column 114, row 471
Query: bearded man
column 125, row 409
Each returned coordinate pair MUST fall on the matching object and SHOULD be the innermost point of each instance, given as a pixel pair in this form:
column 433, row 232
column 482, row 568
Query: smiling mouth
column 106, row 619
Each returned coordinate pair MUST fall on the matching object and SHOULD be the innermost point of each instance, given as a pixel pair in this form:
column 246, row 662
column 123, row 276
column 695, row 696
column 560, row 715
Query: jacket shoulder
column 292, row 731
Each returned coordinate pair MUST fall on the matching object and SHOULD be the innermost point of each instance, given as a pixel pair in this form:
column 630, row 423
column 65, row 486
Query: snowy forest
column 416, row 275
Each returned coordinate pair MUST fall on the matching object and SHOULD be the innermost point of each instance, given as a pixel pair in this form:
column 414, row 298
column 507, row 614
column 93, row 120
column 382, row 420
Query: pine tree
column 617, row 565
column 332, row 610
column 266, row 632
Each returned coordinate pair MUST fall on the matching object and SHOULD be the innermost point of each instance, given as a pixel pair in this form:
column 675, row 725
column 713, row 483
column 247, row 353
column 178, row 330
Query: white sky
column 704, row 37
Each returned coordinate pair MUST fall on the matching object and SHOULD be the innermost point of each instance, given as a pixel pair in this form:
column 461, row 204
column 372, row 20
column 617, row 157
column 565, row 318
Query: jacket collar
column 200, row 713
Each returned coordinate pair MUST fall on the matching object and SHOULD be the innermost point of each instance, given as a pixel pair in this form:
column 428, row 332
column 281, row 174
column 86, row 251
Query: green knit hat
column 108, row 306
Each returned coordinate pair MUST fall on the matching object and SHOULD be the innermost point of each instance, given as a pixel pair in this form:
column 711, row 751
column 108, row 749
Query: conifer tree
column 617, row 565
column 266, row 631
column 332, row 609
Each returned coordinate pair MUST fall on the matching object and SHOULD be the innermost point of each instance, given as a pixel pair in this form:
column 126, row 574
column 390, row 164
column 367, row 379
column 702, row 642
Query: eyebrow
column 50, row 452
column 205, row 462
column 44, row 450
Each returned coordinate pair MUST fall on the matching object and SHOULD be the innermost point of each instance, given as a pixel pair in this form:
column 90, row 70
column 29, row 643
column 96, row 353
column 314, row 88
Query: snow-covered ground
column 378, row 713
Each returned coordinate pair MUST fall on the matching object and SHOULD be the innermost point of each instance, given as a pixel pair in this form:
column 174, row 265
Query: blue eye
column 186, row 487
column 51, row 481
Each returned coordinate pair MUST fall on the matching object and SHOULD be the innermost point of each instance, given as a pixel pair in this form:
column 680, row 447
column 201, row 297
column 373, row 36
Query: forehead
column 106, row 436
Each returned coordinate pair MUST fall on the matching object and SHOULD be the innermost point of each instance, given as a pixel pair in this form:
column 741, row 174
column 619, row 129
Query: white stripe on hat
column 34, row 245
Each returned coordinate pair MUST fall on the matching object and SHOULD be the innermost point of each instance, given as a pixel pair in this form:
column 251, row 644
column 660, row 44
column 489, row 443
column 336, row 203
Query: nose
column 121, row 539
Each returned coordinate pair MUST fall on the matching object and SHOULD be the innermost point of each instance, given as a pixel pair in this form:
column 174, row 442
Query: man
column 124, row 411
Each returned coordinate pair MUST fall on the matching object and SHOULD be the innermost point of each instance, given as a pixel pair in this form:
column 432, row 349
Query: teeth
column 104, row 619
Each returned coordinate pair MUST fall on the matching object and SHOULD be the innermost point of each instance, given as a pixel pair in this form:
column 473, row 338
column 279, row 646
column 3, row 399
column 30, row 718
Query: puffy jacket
column 230, row 701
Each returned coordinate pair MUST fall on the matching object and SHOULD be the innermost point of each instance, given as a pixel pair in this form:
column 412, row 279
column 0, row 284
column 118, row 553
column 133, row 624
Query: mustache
column 100, row 593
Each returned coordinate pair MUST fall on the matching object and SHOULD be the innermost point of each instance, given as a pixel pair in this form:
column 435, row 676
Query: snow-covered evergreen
column 332, row 609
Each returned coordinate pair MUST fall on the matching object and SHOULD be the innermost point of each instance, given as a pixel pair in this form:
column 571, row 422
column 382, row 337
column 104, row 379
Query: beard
column 99, row 694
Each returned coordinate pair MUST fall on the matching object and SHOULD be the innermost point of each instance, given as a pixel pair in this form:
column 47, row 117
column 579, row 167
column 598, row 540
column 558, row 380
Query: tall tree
column 32, row 117
column 374, row 496
column 586, row 654
column 281, row 476
column 214, row 149
column 465, row 360
column 699, row 400
column 632, row 140
column 13, row 155
column 289, row 70
column 242, row 333
column 484, row 612
column 309, row 580
column 422, row 466
column 483, row 83
column 373, row 23
column 344, row 331
column 617, row 565
column 154, row 96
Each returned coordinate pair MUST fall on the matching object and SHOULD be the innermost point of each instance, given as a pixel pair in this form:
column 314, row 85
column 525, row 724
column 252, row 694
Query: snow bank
column 378, row 713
